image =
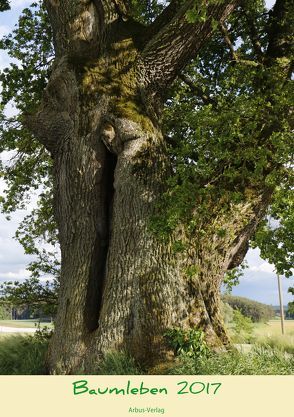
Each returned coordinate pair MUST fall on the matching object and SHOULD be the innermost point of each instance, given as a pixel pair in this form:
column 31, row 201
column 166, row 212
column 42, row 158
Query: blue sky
column 259, row 281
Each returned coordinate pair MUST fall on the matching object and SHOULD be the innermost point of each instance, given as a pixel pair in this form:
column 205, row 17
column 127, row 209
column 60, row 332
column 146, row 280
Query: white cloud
column 20, row 3
column 16, row 275
column 264, row 267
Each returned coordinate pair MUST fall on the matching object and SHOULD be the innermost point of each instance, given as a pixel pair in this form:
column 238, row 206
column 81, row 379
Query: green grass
column 270, row 334
column 22, row 355
column 25, row 355
column 260, row 361
column 118, row 363
column 31, row 323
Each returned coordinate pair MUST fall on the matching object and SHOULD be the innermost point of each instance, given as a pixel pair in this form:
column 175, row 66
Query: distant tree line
column 258, row 312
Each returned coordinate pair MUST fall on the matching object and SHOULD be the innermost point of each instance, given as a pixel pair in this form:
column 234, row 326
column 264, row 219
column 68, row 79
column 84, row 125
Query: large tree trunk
column 122, row 286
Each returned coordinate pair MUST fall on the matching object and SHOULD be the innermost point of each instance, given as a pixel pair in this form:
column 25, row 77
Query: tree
column 152, row 213
column 291, row 303
column 257, row 312
column 4, row 5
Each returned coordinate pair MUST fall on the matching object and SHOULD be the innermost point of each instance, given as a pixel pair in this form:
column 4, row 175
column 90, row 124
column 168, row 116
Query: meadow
column 30, row 323
column 270, row 334
column 269, row 353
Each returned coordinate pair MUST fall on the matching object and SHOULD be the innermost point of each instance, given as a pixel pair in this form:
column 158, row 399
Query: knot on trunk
column 110, row 138
column 115, row 132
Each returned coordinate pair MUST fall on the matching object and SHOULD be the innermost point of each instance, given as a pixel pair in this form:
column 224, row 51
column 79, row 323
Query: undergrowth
column 22, row 355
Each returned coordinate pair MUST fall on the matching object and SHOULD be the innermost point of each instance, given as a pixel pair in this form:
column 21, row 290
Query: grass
column 22, row 355
column 25, row 355
column 260, row 361
column 118, row 363
column 31, row 323
column 270, row 334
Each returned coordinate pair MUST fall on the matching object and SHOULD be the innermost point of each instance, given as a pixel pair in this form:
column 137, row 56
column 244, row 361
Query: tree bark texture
column 122, row 287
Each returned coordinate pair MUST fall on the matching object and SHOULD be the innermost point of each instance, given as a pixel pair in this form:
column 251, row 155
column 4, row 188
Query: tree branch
column 79, row 26
column 280, row 30
column 227, row 39
column 197, row 90
column 172, row 47
column 163, row 19
column 75, row 24
column 256, row 44
column 234, row 55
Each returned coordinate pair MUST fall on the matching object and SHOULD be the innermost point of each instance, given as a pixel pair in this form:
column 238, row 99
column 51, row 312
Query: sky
column 259, row 281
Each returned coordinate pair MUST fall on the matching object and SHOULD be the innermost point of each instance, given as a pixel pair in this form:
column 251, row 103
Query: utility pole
column 281, row 303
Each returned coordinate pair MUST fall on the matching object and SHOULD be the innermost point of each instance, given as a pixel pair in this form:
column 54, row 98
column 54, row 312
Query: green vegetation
column 254, row 310
column 5, row 312
column 22, row 355
column 118, row 363
column 291, row 303
column 189, row 342
column 241, row 328
column 260, row 361
column 25, row 355
column 31, row 323
column 269, row 334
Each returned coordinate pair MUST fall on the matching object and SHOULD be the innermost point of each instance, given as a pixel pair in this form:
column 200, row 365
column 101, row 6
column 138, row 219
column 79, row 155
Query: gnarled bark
column 122, row 287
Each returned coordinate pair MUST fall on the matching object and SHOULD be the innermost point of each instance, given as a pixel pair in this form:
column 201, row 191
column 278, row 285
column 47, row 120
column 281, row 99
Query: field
column 270, row 334
column 31, row 323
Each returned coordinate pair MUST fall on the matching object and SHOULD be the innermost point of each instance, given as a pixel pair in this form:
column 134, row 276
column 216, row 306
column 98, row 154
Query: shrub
column 186, row 341
column 23, row 355
column 242, row 328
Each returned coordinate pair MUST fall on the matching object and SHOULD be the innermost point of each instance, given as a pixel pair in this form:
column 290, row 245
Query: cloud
column 262, row 286
column 264, row 267
column 20, row 3
column 15, row 276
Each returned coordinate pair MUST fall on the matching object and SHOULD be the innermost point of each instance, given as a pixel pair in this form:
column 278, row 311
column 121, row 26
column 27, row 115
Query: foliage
column 275, row 235
column 260, row 361
column 29, row 165
column 254, row 310
column 232, row 277
column 291, row 303
column 4, row 5
column 239, row 327
column 5, row 312
column 145, row 11
column 227, row 313
column 189, row 341
column 234, row 133
column 242, row 329
column 118, row 363
column 31, row 292
column 22, row 355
